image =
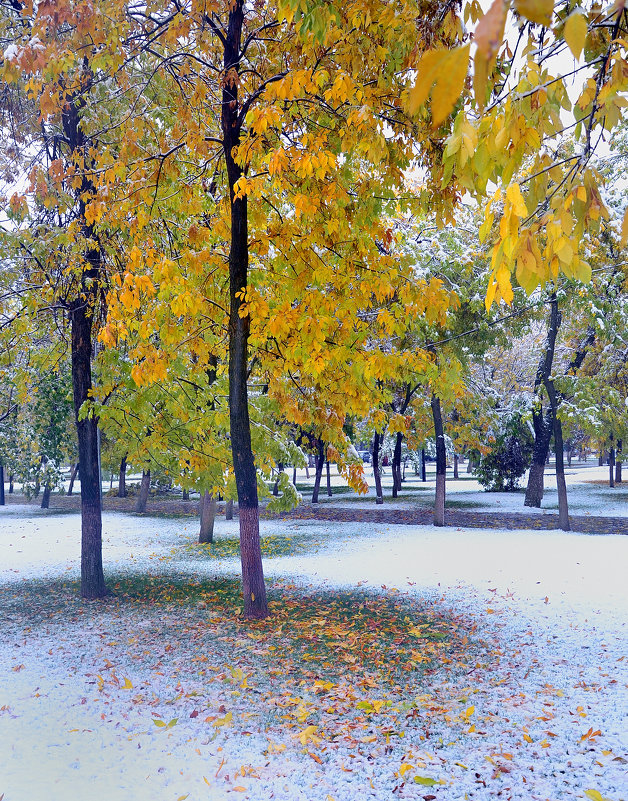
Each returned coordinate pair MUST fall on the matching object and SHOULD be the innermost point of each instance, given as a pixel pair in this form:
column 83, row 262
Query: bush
column 510, row 456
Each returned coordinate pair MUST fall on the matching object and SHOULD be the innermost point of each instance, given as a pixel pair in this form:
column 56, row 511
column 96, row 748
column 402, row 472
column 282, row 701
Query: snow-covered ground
column 587, row 487
column 540, row 714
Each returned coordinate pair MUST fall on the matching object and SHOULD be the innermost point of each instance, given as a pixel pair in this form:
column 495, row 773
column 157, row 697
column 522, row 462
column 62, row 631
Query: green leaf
column 425, row 780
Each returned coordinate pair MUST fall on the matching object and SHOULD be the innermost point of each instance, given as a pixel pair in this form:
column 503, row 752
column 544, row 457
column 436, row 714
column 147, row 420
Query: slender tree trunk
column 327, row 468
column 276, row 484
column 618, row 462
column 456, row 459
column 423, row 469
column 294, row 476
column 469, row 465
column 441, row 463
column 11, row 478
column 396, row 465
column 73, row 475
column 253, row 587
column 185, row 495
column 320, row 461
column 611, row 463
column 2, row 499
column 45, row 498
column 122, row 479
column 229, row 510
column 600, row 460
column 377, row 441
column 208, row 517
column 142, row 498
column 307, row 471
column 561, row 484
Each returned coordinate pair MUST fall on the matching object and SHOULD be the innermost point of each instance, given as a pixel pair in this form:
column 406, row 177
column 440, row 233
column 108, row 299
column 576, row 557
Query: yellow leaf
column 239, row 789
column 429, row 66
column 576, row 29
column 226, row 721
column 594, row 795
column 624, row 228
column 450, row 83
column 126, row 685
column 183, row 797
column 513, row 193
column 536, row 10
column 309, row 733
column 527, row 738
column 468, row 712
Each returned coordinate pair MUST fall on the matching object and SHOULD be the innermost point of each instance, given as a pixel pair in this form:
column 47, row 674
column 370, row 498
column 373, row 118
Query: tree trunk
column 561, row 484
column 423, row 470
column 618, row 462
column 92, row 575
column 327, row 468
column 320, row 461
column 185, row 495
column 73, row 475
column 611, row 463
column 208, row 517
column 253, row 587
column 456, row 459
column 2, row 499
column 441, row 462
column 122, row 479
column 377, row 441
column 600, row 459
column 396, row 465
column 469, row 465
column 229, row 510
column 542, row 421
column 276, row 484
column 45, row 498
column 11, row 478
column 142, row 498
column 294, row 476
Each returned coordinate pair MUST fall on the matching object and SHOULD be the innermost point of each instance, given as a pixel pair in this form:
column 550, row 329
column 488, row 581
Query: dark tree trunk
column 73, row 475
column 276, row 484
column 2, row 499
column 456, row 459
column 229, row 510
column 423, row 469
column 122, row 479
column 441, row 462
column 11, row 477
column 618, row 462
column 327, row 468
column 185, row 495
column 92, row 575
column 294, row 476
column 253, row 587
column 307, row 471
column 320, row 461
column 208, row 517
column 561, row 484
column 600, row 459
column 611, row 463
column 142, row 498
column 396, row 465
column 377, row 475
column 45, row 498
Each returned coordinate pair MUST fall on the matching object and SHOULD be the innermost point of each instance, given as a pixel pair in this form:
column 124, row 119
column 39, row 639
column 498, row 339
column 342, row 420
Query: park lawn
column 398, row 661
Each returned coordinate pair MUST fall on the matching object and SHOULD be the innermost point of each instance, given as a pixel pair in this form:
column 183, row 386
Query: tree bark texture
column 423, row 469
column 456, row 465
column 618, row 462
column 561, row 484
column 377, row 474
column 208, row 517
column 328, row 469
column 229, row 510
column 396, row 465
column 441, row 462
column 318, row 471
column 122, row 478
column 2, row 499
column 142, row 498
column 11, row 477
column 253, row 587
